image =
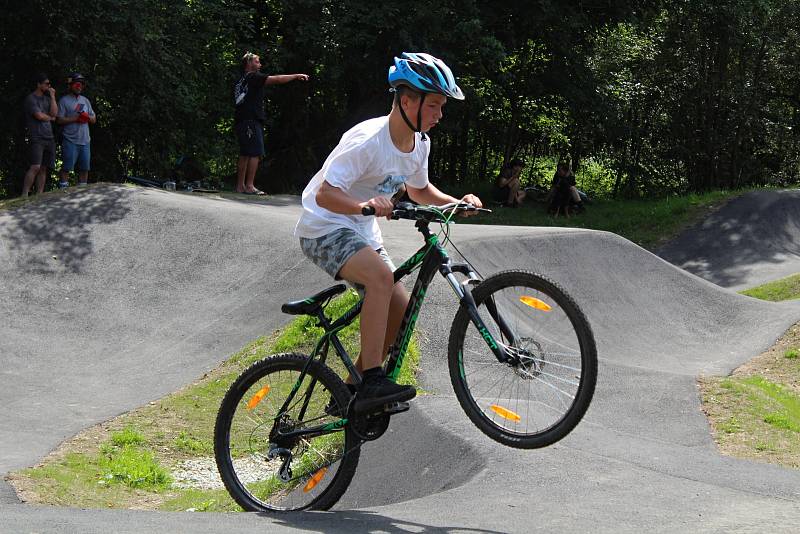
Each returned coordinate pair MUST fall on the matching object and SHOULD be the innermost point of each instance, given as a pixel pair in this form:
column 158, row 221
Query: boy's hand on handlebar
column 475, row 201
column 382, row 206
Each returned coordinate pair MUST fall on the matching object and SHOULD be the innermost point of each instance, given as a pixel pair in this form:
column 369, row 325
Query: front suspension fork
column 468, row 303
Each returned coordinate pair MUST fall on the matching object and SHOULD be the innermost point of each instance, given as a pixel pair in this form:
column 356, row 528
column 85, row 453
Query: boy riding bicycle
column 372, row 161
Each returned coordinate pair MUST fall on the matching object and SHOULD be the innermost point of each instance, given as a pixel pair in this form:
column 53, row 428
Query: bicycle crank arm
column 312, row 432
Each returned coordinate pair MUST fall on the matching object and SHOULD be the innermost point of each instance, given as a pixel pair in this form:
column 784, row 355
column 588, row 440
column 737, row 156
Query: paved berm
column 113, row 296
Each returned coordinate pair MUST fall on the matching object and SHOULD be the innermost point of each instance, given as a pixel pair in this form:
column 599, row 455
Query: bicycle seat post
column 323, row 320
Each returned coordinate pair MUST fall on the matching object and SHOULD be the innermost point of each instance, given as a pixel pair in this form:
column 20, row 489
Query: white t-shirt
column 365, row 164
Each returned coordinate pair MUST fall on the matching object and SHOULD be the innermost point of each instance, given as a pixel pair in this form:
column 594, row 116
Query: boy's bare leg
column 397, row 308
column 368, row 269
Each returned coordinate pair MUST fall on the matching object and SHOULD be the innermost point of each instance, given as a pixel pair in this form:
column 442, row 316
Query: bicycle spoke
column 267, row 465
column 541, row 385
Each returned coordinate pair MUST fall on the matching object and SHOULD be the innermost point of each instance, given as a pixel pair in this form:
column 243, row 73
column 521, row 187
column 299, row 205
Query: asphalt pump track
column 115, row 296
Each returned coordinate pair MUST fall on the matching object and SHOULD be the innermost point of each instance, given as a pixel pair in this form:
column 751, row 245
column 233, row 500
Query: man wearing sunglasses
column 75, row 113
column 40, row 112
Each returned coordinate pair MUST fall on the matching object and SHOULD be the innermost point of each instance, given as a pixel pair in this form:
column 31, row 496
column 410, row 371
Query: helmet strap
column 419, row 116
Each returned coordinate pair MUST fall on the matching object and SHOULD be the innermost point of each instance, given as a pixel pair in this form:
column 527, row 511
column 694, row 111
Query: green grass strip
column 784, row 289
column 773, row 403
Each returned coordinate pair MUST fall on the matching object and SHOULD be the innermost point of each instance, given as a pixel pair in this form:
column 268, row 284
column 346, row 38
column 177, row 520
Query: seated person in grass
column 507, row 187
column 563, row 193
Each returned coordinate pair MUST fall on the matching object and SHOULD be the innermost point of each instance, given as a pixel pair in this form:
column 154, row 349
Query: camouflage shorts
column 331, row 251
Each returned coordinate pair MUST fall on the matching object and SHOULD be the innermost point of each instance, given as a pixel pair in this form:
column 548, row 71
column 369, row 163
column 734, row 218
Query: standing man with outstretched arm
column 76, row 114
column 249, row 117
column 40, row 112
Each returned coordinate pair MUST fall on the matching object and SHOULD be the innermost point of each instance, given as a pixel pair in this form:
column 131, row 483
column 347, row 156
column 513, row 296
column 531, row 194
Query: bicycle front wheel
column 541, row 395
column 262, row 469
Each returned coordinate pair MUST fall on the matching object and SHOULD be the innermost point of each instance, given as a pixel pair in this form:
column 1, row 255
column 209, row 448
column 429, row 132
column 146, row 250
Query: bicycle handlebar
column 408, row 210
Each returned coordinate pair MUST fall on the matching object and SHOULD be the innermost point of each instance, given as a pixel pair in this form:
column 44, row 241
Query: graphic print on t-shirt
column 391, row 184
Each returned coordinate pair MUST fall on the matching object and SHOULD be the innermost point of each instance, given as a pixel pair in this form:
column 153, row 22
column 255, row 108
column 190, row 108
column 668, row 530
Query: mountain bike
column 521, row 358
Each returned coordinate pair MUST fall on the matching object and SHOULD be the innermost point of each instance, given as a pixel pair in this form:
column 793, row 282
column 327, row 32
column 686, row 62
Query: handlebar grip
column 367, row 210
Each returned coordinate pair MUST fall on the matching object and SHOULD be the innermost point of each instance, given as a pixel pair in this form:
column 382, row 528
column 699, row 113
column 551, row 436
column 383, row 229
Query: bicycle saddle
column 310, row 305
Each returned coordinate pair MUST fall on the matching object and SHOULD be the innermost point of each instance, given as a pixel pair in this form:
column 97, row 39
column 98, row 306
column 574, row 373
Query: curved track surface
column 112, row 297
column 752, row 239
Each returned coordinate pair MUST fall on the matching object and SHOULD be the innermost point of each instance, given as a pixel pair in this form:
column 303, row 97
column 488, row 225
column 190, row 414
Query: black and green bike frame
column 430, row 258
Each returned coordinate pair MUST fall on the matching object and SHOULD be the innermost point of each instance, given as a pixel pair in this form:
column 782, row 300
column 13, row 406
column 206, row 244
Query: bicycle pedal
column 396, row 407
column 377, row 409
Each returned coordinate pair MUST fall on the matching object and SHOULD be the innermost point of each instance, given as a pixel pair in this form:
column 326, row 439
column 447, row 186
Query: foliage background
column 647, row 98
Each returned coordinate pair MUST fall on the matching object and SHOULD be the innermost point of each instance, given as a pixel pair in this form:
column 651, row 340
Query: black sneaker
column 377, row 391
column 332, row 408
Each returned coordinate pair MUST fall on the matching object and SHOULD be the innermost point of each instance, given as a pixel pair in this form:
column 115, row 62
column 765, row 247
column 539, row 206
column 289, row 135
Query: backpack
column 240, row 91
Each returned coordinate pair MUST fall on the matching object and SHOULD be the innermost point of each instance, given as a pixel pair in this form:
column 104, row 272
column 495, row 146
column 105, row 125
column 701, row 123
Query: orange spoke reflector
column 535, row 303
column 257, row 397
column 505, row 413
column 315, row 479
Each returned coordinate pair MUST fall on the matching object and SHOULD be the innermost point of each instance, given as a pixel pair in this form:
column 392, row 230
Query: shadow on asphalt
column 360, row 521
column 758, row 228
column 62, row 228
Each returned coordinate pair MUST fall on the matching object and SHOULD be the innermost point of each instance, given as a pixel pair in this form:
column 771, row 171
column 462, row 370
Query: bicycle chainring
column 369, row 427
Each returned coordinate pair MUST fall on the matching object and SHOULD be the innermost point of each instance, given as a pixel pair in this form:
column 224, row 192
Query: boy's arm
column 334, row 199
column 430, row 194
column 285, row 78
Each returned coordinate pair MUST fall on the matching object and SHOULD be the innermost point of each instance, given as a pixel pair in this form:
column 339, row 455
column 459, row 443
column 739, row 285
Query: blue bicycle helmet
column 424, row 73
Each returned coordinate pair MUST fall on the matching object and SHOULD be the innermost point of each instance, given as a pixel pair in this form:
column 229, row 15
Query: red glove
column 83, row 117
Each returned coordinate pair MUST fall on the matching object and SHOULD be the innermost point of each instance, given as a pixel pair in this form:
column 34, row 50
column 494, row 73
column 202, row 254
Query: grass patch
column 755, row 413
column 754, row 418
column 134, row 467
column 127, row 436
column 784, row 289
column 139, row 455
column 193, row 500
column 188, row 444
column 649, row 223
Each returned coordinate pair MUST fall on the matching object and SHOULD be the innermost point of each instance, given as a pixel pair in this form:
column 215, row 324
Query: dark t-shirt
column 563, row 182
column 500, row 193
column 37, row 129
column 252, row 107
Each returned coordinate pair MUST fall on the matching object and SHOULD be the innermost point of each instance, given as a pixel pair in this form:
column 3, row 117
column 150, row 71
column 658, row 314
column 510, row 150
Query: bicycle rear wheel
column 249, row 426
column 538, row 399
